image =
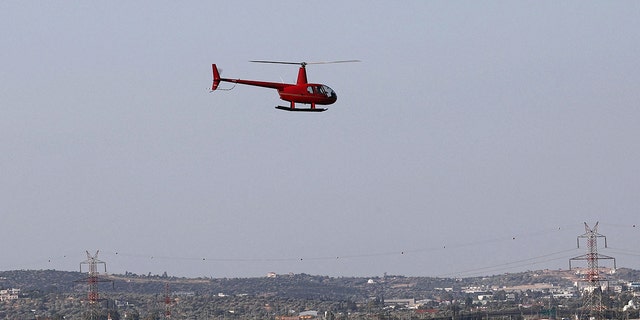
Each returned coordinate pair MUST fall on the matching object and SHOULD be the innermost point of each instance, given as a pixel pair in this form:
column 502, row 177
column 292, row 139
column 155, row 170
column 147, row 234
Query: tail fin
column 216, row 77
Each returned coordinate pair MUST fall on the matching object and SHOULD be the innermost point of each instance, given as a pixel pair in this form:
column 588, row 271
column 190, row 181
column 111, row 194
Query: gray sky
column 473, row 138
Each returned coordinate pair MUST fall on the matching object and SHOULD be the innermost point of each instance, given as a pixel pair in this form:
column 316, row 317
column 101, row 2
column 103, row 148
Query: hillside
column 299, row 286
column 51, row 294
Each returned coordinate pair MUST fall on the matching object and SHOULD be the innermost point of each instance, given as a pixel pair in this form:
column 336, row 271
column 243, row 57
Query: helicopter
column 301, row 92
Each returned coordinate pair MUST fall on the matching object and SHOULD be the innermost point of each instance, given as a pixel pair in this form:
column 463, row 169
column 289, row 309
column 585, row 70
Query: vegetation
column 50, row 294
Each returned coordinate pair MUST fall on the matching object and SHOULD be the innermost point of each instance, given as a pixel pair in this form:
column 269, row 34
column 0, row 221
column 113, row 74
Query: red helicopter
column 300, row 92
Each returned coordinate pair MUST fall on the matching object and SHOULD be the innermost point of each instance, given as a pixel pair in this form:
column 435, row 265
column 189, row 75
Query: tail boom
column 217, row 79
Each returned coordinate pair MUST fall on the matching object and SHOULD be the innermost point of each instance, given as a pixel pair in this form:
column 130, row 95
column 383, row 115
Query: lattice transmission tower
column 167, row 302
column 92, row 281
column 593, row 279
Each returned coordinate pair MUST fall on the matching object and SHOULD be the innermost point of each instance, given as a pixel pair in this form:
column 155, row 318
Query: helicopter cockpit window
column 310, row 89
column 326, row 90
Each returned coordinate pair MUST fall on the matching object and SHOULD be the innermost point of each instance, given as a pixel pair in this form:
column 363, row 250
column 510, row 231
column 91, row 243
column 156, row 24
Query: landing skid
column 301, row 109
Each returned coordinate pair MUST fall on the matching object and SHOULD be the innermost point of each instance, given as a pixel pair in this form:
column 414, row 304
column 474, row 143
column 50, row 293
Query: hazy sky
column 475, row 137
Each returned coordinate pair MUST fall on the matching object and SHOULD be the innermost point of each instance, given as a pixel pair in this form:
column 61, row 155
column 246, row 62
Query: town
column 543, row 294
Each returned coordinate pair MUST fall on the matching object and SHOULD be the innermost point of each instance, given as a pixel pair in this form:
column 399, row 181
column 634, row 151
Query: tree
column 468, row 302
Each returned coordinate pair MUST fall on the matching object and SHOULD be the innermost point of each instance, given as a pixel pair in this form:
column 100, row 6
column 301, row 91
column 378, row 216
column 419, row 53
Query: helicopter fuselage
column 300, row 92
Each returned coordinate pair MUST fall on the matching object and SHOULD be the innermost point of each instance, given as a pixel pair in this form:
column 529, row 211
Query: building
column 9, row 294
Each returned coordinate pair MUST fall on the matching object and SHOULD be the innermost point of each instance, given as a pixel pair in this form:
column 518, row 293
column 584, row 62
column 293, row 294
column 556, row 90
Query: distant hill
column 298, row 286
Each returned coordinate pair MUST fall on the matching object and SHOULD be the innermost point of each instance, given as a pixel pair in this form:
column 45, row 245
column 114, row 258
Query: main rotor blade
column 337, row 61
column 278, row 62
column 304, row 63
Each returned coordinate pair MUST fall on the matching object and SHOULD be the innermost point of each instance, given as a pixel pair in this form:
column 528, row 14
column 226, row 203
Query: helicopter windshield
column 325, row 90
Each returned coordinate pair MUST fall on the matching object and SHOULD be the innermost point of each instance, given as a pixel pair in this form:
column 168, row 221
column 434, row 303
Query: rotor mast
column 302, row 74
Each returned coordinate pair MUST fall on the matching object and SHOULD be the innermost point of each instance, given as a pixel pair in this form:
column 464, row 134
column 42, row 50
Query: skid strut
column 301, row 109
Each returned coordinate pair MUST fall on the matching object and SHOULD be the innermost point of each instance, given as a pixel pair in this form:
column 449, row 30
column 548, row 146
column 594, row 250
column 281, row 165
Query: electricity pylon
column 592, row 279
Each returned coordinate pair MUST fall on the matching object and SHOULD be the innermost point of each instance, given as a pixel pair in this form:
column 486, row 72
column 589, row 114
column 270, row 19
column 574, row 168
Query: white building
column 9, row 294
